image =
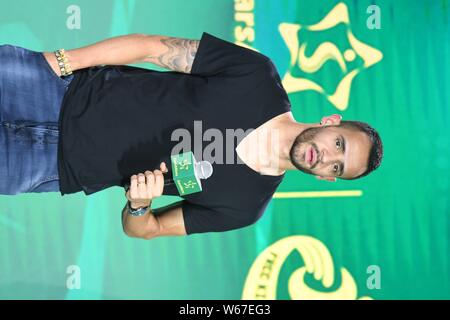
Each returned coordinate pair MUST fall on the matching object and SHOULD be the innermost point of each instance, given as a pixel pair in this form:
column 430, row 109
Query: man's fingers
column 133, row 186
column 159, row 183
column 147, row 185
column 150, row 183
column 142, row 187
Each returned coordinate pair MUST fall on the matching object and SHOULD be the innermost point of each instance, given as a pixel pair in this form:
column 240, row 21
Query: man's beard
column 303, row 138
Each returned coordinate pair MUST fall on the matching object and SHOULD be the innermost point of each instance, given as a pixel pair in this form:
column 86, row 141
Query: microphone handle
column 167, row 182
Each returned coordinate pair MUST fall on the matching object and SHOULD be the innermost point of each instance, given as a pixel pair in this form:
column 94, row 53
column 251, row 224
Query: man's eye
column 338, row 143
column 335, row 168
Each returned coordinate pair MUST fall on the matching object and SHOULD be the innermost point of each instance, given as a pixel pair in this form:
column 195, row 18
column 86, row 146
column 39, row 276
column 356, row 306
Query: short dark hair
column 376, row 150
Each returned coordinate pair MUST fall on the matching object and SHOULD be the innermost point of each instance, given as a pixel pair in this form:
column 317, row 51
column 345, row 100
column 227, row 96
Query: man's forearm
column 175, row 54
column 145, row 226
column 121, row 50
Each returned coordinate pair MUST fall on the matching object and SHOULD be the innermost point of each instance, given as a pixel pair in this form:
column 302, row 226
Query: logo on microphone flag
column 184, row 175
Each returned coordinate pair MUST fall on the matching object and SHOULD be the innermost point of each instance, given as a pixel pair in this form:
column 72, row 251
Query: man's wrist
column 137, row 205
column 137, row 209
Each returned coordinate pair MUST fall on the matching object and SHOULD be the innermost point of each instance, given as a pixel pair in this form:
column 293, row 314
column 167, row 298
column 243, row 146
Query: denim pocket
column 28, row 158
column 49, row 184
column 37, row 134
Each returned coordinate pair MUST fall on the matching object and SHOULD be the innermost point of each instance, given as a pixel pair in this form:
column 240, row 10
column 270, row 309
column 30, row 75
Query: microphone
column 202, row 170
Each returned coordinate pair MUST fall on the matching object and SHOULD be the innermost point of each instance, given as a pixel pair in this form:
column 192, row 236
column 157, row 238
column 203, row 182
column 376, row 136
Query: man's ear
column 334, row 119
column 332, row 179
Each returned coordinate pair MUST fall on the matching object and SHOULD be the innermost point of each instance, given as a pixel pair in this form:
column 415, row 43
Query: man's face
column 331, row 151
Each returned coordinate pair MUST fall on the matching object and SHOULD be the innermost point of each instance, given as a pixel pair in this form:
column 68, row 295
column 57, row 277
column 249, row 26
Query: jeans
column 30, row 99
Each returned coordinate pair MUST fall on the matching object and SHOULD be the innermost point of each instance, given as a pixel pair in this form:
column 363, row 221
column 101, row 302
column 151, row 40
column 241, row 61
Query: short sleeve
column 220, row 57
column 200, row 219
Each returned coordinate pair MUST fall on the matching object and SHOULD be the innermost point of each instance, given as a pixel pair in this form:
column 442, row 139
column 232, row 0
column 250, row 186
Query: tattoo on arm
column 179, row 55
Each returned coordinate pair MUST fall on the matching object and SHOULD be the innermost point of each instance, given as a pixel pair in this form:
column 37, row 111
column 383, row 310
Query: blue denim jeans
column 30, row 99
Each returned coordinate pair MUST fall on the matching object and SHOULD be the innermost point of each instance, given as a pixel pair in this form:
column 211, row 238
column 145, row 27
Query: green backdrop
column 395, row 220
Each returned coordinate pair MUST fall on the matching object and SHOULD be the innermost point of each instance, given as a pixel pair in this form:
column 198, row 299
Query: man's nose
column 326, row 156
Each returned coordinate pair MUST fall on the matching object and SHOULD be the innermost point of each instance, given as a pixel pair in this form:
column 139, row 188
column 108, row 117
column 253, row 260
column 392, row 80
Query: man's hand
column 144, row 187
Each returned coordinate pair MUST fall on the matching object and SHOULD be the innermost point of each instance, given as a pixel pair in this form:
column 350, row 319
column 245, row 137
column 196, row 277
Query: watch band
column 137, row 212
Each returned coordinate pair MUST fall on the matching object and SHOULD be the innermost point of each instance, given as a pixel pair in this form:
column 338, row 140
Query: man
column 117, row 122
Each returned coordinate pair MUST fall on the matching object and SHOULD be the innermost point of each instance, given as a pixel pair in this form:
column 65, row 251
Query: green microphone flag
column 184, row 174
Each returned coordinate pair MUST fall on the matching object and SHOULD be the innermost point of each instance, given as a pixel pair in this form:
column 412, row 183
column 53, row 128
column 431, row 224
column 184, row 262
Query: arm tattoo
column 179, row 56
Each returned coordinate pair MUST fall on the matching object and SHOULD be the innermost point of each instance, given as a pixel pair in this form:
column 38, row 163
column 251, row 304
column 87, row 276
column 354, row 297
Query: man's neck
column 285, row 130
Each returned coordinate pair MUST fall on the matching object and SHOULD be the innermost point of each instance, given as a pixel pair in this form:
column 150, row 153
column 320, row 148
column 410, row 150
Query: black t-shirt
column 117, row 121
